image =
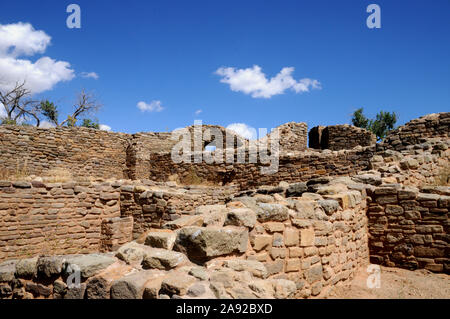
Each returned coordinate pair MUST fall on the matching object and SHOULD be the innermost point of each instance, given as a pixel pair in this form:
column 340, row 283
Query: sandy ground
column 396, row 283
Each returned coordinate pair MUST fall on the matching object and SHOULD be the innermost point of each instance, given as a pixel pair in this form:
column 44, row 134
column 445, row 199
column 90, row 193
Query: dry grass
column 19, row 173
column 57, row 175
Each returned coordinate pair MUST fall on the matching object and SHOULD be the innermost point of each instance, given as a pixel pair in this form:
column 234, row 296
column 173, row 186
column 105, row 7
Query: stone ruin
column 134, row 231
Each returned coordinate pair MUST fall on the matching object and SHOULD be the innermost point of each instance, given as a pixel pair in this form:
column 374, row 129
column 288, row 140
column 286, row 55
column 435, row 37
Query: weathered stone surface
column 75, row 292
column 291, row 237
column 99, row 286
column 260, row 242
column 307, row 237
column 132, row 286
column 162, row 259
column 88, row 265
column 314, row 273
column 296, row 190
column 201, row 243
column 329, row 206
column 185, row 221
column 177, row 283
column 26, row 268
column 132, row 253
column 283, row 288
column 241, row 217
column 49, row 266
column 38, row 289
column 164, row 240
column 199, row 272
column 272, row 212
column 213, row 215
column 152, row 288
column 7, row 270
column 196, row 290
column 256, row 268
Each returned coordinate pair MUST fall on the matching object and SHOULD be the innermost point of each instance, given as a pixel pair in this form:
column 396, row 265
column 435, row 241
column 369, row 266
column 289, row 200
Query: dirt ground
column 396, row 283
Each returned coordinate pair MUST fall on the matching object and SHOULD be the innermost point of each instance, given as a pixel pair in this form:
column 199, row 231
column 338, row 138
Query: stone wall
column 81, row 152
column 293, row 167
column 152, row 207
column 417, row 131
column 409, row 227
column 340, row 137
column 37, row 218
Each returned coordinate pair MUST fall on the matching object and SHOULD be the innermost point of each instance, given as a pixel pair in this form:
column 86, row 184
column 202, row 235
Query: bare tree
column 18, row 104
column 86, row 104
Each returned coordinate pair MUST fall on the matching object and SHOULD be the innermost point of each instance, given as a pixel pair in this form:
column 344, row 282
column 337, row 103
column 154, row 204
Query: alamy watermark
column 229, row 149
column 374, row 278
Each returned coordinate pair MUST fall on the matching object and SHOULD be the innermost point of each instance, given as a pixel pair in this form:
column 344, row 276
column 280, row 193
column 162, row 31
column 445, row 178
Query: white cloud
column 254, row 82
column 46, row 124
column 105, row 127
column 198, row 112
column 21, row 39
column 91, row 75
column 153, row 106
column 2, row 111
column 243, row 130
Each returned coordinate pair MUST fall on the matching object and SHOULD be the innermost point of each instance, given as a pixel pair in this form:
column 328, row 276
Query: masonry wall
column 295, row 167
column 82, row 152
column 435, row 125
column 151, row 208
column 54, row 218
column 410, row 228
column 340, row 137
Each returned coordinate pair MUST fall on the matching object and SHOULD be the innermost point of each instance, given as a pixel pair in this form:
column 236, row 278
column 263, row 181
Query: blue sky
column 169, row 51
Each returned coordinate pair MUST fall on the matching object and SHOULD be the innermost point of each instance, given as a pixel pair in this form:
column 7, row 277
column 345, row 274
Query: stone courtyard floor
column 396, row 283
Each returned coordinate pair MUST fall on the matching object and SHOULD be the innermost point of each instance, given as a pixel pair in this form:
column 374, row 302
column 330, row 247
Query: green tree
column 50, row 111
column 380, row 126
column 90, row 124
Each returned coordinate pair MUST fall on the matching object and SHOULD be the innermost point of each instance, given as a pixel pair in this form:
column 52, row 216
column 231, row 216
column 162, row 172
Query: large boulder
column 201, row 243
column 241, row 217
column 7, row 270
column 88, row 265
column 163, row 240
column 272, row 213
column 162, row 259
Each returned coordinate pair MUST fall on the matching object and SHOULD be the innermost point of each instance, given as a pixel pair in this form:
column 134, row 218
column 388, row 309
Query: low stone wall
column 340, row 137
column 414, row 132
column 151, row 208
column 295, row 167
column 410, row 228
column 38, row 218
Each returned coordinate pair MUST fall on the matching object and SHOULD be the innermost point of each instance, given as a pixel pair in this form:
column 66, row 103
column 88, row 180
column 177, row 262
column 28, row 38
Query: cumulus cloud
column 21, row 39
column 243, row 130
column 198, row 112
column 91, row 75
column 105, row 127
column 254, row 82
column 46, row 124
column 153, row 106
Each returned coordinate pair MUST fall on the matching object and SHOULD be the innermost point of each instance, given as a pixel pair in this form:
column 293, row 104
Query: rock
column 162, row 259
column 196, row 290
column 132, row 253
column 272, row 212
column 241, row 217
column 164, row 240
column 371, row 179
column 256, row 268
column 314, row 273
column 7, row 270
column 132, row 286
column 177, row 283
column 5, row 291
column 26, row 268
column 307, row 237
column 38, row 289
column 199, row 272
column 283, row 288
column 291, row 237
column 185, row 221
column 48, row 267
column 152, row 288
column 296, row 190
column 99, row 286
column 87, row 265
column 260, row 242
column 329, row 206
column 59, row 289
column 201, row 244
column 213, row 215
column 75, row 292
